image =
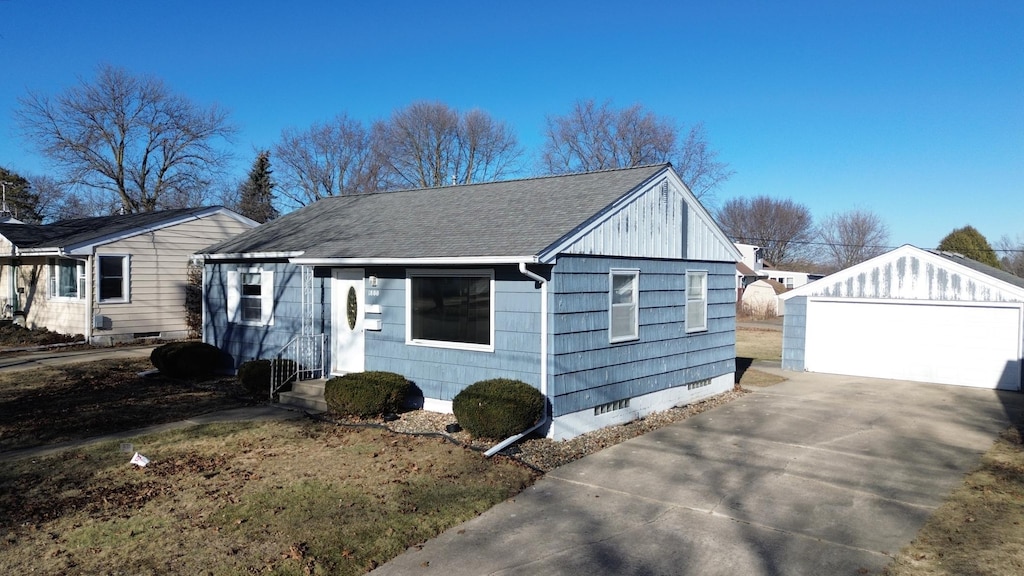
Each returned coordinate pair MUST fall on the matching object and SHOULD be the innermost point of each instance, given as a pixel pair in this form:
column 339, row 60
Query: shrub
column 366, row 394
column 185, row 359
column 254, row 375
column 498, row 408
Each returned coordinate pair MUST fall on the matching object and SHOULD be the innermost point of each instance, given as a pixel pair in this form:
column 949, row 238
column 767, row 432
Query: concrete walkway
column 817, row 475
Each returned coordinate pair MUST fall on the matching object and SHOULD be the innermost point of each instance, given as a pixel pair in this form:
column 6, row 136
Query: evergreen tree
column 21, row 199
column 970, row 243
column 256, row 193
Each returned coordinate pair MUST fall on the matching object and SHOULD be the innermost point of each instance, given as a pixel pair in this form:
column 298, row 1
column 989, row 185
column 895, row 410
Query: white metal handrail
column 302, row 358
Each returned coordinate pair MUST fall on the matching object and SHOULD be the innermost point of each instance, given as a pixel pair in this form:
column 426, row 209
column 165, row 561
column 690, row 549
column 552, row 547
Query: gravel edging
column 545, row 454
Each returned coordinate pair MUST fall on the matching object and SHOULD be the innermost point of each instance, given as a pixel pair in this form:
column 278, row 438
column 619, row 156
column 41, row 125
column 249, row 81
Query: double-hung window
column 451, row 309
column 251, row 296
column 623, row 305
column 112, row 278
column 67, row 278
column 696, row 301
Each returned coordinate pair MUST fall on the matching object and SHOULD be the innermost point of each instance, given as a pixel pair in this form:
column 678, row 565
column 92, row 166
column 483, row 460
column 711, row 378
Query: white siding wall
column 664, row 220
column 651, row 226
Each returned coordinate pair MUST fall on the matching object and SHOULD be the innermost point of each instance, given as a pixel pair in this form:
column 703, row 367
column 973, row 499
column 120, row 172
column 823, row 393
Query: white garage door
column 967, row 345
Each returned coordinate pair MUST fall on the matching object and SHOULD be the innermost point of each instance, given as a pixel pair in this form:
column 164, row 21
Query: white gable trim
column 88, row 247
column 660, row 218
column 994, row 288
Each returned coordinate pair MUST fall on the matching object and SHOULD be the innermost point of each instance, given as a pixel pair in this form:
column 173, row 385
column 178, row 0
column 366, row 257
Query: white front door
column 348, row 293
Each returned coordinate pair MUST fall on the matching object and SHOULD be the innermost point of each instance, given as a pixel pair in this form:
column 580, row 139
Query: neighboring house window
column 696, row 301
column 67, row 278
column 452, row 309
column 251, row 296
column 623, row 305
column 112, row 278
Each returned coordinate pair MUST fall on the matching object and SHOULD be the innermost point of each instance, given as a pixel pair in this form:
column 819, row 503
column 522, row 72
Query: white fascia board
column 548, row 255
column 86, row 248
column 250, row 255
column 806, row 289
column 51, row 251
column 892, row 255
column 443, row 261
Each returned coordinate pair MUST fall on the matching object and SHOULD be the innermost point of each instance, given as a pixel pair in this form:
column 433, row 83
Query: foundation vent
column 611, row 407
column 698, row 384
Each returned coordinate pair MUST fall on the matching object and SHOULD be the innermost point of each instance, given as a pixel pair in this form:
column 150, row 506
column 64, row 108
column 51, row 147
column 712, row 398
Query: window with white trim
column 623, row 305
column 451, row 308
column 67, row 278
column 112, row 278
column 696, row 301
column 251, row 296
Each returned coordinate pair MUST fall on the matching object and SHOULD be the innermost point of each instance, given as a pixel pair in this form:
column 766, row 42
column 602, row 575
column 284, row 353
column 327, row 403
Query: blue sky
column 914, row 110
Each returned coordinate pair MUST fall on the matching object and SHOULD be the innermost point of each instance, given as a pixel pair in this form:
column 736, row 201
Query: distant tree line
column 123, row 142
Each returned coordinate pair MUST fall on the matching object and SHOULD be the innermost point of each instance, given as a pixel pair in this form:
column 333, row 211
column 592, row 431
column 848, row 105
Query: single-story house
column 761, row 299
column 611, row 292
column 109, row 278
column 910, row 314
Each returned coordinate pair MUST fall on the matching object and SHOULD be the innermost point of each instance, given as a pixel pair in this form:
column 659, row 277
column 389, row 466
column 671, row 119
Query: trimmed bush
column 366, row 394
column 254, row 376
column 185, row 359
column 498, row 408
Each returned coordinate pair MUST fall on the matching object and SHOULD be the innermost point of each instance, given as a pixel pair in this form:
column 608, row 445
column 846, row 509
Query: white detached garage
column 910, row 314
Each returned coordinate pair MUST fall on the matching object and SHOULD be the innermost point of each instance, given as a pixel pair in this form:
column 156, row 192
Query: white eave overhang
column 250, row 255
column 434, row 261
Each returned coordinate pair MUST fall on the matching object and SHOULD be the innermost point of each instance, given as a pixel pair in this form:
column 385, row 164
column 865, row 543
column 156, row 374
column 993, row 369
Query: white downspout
column 543, row 360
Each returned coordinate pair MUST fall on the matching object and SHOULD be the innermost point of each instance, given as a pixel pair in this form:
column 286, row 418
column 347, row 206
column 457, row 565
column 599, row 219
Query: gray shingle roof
column 70, row 233
column 979, row 267
column 496, row 219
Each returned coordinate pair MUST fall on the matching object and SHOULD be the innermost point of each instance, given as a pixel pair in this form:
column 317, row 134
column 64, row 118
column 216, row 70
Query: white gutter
column 543, row 360
column 433, row 261
column 250, row 255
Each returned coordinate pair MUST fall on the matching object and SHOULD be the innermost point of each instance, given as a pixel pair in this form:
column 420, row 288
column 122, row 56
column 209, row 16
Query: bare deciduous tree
column 598, row 137
column 131, row 137
column 782, row 228
column 849, row 238
column 333, row 158
column 430, row 144
column 1011, row 254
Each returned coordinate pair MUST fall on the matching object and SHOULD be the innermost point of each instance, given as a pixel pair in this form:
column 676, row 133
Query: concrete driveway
column 818, row 475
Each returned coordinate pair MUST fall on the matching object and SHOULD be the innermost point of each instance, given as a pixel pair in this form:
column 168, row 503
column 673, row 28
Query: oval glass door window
column 352, row 308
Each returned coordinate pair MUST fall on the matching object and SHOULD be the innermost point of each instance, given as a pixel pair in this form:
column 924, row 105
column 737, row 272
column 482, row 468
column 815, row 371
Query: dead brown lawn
column 979, row 529
column 758, row 344
column 51, row 405
column 293, row 497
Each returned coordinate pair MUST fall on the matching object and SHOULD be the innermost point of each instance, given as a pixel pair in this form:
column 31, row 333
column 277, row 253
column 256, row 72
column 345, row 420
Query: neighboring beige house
column 109, row 278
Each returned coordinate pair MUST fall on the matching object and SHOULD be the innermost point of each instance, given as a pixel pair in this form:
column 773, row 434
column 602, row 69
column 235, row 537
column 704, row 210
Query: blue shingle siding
column 587, row 371
column 441, row 373
column 794, row 332
column 247, row 342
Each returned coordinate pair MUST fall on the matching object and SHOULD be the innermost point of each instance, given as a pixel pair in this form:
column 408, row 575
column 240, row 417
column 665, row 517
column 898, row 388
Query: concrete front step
column 308, row 395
